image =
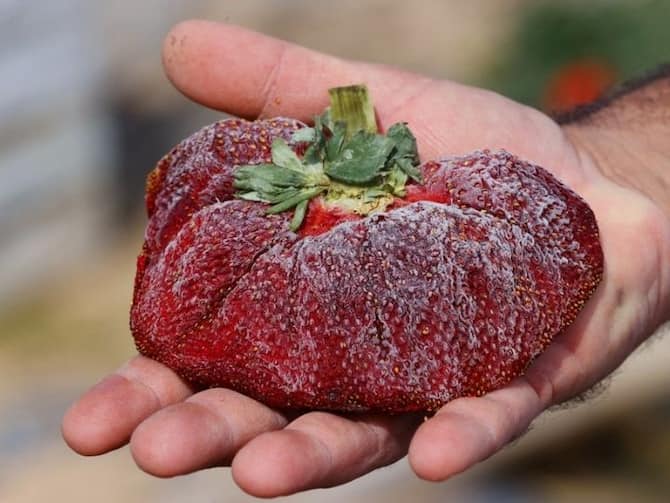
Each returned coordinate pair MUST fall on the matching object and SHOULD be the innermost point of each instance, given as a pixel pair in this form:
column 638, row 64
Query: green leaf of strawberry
column 347, row 162
column 406, row 155
column 284, row 157
column 361, row 159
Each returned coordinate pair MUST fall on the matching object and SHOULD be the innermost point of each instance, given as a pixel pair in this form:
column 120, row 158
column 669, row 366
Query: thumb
column 248, row 74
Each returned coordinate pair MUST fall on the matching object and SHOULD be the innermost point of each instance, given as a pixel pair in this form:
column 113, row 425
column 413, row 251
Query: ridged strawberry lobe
column 199, row 171
column 196, row 271
column 526, row 195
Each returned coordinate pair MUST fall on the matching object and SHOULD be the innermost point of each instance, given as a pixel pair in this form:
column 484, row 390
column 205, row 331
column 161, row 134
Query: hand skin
column 615, row 165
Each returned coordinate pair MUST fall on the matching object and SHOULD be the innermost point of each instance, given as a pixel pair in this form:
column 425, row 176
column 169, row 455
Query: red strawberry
column 389, row 287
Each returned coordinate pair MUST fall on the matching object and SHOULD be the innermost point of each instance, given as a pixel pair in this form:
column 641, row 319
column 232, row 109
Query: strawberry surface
column 199, row 171
column 450, row 290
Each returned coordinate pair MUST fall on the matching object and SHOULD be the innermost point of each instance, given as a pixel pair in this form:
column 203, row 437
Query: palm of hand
column 173, row 431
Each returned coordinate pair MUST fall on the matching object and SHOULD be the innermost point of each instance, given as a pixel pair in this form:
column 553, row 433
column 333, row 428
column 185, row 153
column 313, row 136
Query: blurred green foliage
column 630, row 37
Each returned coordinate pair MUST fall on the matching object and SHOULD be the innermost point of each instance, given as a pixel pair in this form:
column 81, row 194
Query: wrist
column 627, row 136
column 626, row 159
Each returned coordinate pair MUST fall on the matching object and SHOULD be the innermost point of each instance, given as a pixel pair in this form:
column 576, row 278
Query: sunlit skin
column 173, row 430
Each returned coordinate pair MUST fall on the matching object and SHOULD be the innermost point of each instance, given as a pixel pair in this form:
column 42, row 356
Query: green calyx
column 346, row 162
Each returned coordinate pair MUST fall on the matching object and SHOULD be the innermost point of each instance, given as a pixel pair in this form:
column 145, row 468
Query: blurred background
column 85, row 112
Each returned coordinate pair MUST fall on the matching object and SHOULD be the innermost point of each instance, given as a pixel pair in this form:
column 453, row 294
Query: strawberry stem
column 347, row 162
column 352, row 105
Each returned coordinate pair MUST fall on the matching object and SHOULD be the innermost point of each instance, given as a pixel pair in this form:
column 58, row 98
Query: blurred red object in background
column 578, row 83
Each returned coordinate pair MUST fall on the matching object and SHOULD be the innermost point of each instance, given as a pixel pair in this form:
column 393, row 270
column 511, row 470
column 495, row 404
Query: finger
column 320, row 450
column 105, row 416
column 249, row 75
column 205, row 430
column 468, row 430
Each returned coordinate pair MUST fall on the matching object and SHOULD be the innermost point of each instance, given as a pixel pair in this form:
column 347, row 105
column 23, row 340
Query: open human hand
column 172, row 429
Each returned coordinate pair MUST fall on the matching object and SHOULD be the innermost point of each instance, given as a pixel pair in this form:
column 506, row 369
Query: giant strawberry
column 322, row 267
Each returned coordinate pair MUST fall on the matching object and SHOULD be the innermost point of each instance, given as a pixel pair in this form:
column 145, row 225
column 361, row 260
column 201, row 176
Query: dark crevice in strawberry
column 380, row 326
column 219, row 298
column 292, row 287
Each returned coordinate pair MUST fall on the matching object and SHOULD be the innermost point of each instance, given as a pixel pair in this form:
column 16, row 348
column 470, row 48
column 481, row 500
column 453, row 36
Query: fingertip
column 176, row 440
column 431, row 451
column 220, row 65
column 173, row 56
column 93, row 425
column 204, row 431
column 174, row 37
column 174, row 53
column 150, row 443
column 266, row 467
column 78, row 434
column 470, row 429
